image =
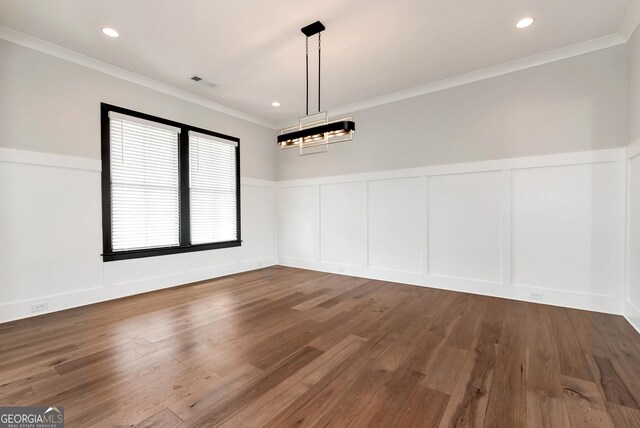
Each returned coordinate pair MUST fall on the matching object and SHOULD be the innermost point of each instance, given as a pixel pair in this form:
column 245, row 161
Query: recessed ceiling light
column 275, row 104
column 110, row 32
column 525, row 22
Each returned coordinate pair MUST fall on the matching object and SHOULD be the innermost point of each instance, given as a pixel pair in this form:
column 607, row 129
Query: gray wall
column 572, row 105
column 53, row 106
column 634, row 87
column 632, row 306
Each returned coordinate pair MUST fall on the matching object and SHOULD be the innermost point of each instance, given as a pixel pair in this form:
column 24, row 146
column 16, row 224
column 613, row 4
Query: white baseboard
column 632, row 314
column 635, row 323
column 563, row 298
column 607, row 304
column 22, row 309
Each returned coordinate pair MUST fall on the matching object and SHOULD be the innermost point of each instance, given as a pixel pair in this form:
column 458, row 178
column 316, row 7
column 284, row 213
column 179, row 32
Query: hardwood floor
column 287, row 347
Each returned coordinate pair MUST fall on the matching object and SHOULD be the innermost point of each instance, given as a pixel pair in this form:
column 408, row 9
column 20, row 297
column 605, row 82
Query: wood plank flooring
column 283, row 347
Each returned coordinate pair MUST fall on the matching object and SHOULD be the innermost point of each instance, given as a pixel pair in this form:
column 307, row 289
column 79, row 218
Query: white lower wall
column 464, row 224
column 550, row 225
column 632, row 294
column 553, row 225
column 51, row 238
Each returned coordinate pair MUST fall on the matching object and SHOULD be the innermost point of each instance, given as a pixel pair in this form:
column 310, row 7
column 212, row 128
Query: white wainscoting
column 343, row 237
column 551, row 225
column 632, row 291
column 562, row 220
column 464, row 223
column 299, row 215
column 51, row 238
column 396, row 211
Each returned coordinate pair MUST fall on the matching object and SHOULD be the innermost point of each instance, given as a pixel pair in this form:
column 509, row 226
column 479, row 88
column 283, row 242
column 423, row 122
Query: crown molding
column 630, row 21
column 485, row 73
column 104, row 67
column 626, row 30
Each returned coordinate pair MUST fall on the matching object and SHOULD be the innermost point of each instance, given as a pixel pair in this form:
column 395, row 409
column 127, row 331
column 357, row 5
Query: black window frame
column 184, row 199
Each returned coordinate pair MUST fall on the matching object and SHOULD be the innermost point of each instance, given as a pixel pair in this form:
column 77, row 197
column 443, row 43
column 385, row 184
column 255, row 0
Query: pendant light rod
column 311, row 30
column 307, row 68
column 319, row 56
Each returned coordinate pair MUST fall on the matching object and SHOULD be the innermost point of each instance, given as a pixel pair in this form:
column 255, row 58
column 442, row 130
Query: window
column 212, row 178
column 145, row 193
column 167, row 187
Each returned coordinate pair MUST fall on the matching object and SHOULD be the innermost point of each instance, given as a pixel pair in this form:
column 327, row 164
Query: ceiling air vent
column 203, row 81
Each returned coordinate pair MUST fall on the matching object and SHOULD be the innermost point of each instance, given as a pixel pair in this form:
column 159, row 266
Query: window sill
column 153, row 252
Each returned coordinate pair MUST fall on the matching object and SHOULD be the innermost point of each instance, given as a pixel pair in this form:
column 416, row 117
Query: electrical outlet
column 535, row 295
column 39, row 307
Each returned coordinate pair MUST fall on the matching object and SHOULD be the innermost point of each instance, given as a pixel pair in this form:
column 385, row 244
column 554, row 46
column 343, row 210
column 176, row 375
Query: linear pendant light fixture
column 316, row 130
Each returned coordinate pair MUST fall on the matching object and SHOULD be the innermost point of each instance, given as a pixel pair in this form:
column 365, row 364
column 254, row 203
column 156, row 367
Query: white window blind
column 145, row 207
column 212, row 183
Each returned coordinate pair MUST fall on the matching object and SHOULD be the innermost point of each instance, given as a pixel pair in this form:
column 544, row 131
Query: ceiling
column 254, row 51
